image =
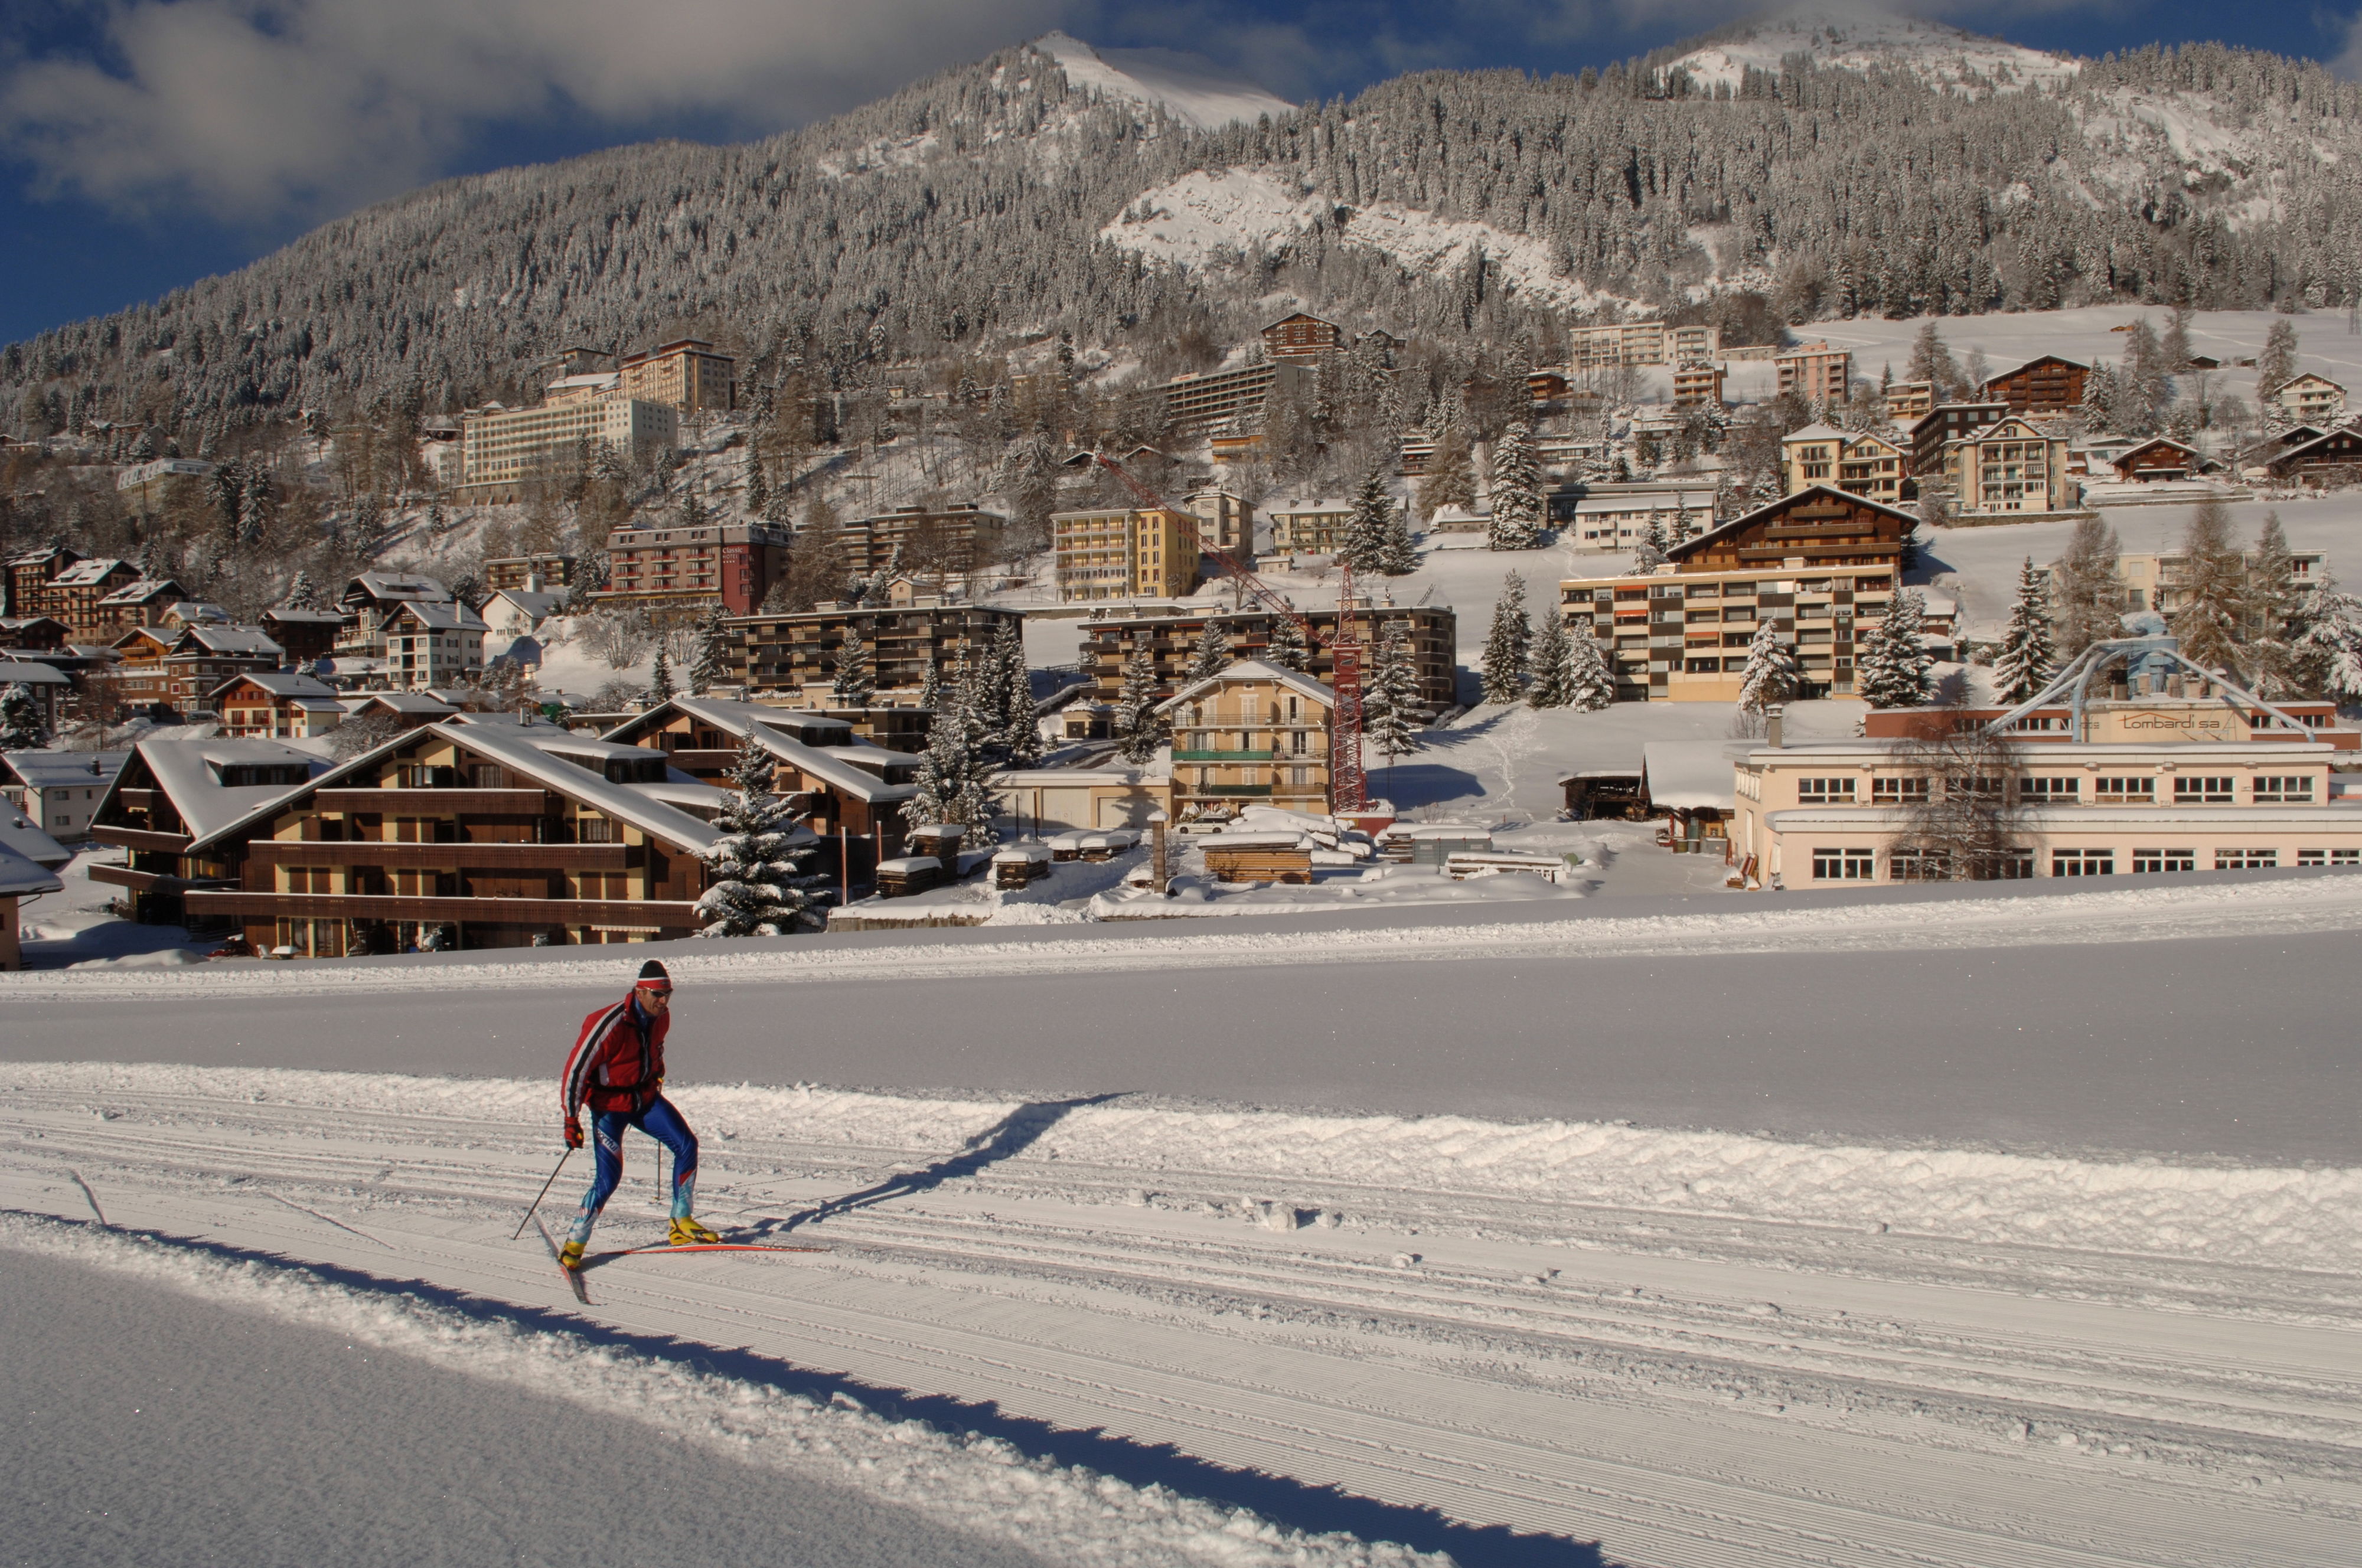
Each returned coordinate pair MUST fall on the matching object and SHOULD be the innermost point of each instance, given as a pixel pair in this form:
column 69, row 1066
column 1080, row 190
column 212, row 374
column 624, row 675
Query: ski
column 661, row 1247
column 573, row 1275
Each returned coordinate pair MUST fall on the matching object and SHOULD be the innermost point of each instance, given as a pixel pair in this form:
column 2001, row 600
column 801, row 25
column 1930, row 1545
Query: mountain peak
column 1190, row 87
column 1870, row 37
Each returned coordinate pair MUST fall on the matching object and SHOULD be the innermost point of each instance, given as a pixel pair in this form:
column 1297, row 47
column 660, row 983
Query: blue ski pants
column 659, row 1122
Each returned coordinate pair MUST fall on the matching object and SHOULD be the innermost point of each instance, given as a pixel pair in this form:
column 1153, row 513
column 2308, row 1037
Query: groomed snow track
column 1457, row 1356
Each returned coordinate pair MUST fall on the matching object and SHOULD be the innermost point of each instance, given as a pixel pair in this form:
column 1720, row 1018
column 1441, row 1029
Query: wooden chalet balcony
column 125, row 876
column 616, row 912
column 140, row 800
column 690, row 761
column 139, row 838
column 1227, row 790
column 473, row 856
column 441, row 803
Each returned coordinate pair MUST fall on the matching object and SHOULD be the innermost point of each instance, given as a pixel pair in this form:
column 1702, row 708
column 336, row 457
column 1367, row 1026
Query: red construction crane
column 1348, row 786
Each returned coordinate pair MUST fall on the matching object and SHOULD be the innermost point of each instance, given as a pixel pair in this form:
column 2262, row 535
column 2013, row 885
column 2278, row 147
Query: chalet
column 513, row 612
column 1315, row 527
column 373, row 601
column 2163, row 461
column 196, row 613
column 1302, row 336
column 1855, row 461
column 2045, row 385
column 171, row 807
column 59, row 790
column 795, row 656
column 2280, row 441
column 429, row 644
column 2009, row 468
column 1821, row 566
column 1945, row 424
column 839, row 785
column 308, row 636
column 48, row 685
column 1254, row 733
column 276, row 704
column 1170, row 642
column 2332, row 458
column 408, row 709
column 178, row 668
column 20, row 878
column 489, row 832
column 34, row 633
column 2314, row 400
column 144, row 601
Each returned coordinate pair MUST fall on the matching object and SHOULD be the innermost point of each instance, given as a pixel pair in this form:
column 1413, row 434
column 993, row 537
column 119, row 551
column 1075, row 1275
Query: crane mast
column 1349, row 784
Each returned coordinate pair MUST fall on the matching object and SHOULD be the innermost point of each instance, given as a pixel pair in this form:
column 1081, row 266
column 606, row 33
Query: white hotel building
column 502, row 449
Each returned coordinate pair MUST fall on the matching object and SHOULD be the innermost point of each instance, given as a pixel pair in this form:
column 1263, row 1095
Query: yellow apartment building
column 1253, row 735
column 1129, row 553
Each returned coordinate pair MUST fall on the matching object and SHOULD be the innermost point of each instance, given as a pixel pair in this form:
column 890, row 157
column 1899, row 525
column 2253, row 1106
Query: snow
column 1189, row 87
column 1868, row 37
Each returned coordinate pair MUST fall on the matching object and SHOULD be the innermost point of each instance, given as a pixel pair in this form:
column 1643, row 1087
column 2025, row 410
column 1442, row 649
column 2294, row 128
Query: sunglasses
column 658, row 991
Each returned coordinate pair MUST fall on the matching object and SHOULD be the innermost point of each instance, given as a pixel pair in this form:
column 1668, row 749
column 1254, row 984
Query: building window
column 2203, row 792
column 1825, row 791
column 2124, row 791
column 1898, row 793
column 2041, row 791
column 2246, row 860
column 1844, row 865
column 1971, row 787
column 2329, row 857
column 2082, row 863
column 1918, row 865
column 2285, row 789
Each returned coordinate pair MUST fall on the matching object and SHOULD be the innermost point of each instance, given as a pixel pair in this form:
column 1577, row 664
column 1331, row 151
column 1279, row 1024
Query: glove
column 573, row 1131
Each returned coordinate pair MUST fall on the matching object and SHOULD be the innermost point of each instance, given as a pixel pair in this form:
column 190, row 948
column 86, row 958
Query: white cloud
column 252, row 108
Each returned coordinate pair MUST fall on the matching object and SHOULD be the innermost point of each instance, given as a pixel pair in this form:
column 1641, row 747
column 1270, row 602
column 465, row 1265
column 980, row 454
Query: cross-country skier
column 617, row 1066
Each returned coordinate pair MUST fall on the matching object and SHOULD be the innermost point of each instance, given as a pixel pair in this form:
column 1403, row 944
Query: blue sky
column 147, row 143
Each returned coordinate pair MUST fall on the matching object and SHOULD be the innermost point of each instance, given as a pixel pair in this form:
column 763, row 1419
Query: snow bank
column 981, row 1485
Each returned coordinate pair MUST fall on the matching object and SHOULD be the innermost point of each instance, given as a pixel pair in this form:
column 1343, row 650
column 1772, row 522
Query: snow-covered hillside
column 1868, row 37
column 1179, row 84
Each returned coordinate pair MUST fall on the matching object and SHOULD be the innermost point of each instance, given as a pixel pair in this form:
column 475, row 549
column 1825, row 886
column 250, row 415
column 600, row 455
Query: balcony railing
column 1226, row 756
column 1227, row 790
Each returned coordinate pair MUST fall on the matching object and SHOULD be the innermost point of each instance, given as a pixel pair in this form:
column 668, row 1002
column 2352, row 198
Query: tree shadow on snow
column 1411, row 784
column 1283, row 1500
column 1012, row 1134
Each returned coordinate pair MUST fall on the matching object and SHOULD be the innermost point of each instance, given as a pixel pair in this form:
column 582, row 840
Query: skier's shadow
column 1012, row 1134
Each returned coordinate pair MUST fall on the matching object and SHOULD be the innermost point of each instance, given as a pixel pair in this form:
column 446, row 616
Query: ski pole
column 543, row 1192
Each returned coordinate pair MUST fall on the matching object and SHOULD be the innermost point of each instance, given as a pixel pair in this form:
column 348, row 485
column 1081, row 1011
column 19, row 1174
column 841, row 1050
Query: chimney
column 1772, row 727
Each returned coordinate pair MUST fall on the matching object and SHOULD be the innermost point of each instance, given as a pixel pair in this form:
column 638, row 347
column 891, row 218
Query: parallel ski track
column 1577, row 1370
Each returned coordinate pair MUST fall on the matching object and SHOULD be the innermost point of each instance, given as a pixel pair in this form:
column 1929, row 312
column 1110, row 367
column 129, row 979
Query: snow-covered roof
column 395, row 701
column 452, row 616
column 1689, row 775
column 189, row 772
column 140, row 589
column 17, row 832
column 1690, row 547
column 1255, row 670
column 20, row 876
column 825, row 763
column 228, row 640
column 293, row 685
column 303, row 617
column 62, row 769
column 1323, row 504
column 387, row 586
column 1818, row 431
column 30, row 672
column 530, row 602
column 86, row 574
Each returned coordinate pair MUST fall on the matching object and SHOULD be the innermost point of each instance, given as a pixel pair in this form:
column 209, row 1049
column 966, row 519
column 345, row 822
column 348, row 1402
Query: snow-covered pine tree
column 1509, row 645
column 1285, row 647
column 1590, row 684
column 1553, row 683
column 1771, row 675
column 930, row 687
column 758, row 488
column 2087, row 591
column 2026, row 660
column 1654, row 539
column 757, row 886
column 856, row 681
column 1517, row 490
column 2275, row 365
column 1398, row 556
column 1891, row 670
column 1019, row 741
column 660, row 684
column 2211, row 622
column 21, row 726
column 1366, row 526
column 2331, row 648
column 1212, row 653
column 984, row 688
column 951, row 776
column 1932, row 362
column 1138, row 732
column 300, row 594
column 1451, row 480
column 712, row 661
column 1391, row 698
column 2278, row 610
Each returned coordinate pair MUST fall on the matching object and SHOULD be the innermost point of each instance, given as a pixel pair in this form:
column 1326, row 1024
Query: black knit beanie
column 652, row 970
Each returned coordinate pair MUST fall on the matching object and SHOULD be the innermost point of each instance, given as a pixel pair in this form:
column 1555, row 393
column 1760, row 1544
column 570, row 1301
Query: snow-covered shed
column 1694, row 783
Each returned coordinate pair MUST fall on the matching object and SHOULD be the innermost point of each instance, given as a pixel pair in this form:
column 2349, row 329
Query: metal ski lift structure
column 1349, row 784
column 2073, row 683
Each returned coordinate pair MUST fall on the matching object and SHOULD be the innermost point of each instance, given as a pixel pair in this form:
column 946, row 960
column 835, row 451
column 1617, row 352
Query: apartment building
column 169, row 795
column 1857, row 461
column 1315, row 527
column 1821, row 566
column 183, row 666
column 1909, row 401
column 1253, row 735
column 2009, row 469
column 1225, row 520
column 1129, row 553
column 1203, row 398
column 276, row 704
column 794, row 658
column 58, row 791
column 2163, row 784
column 504, row 450
column 1170, row 641
column 29, row 576
column 76, row 593
column 2311, row 399
column 1698, row 384
column 489, row 832
column 429, row 645
column 2158, row 581
column 687, row 375
column 1942, row 425
column 1302, row 336
column 1816, row 372
column 143, row 602
column 2045, row 385
column 538, row 573
column 308, row 636
column 935, row 538
column 1638, row 343
column 684, row 574
column 146, row 487
column 1611, row 518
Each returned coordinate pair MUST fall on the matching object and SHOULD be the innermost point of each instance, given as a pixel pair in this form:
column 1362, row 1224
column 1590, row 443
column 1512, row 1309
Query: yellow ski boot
column 569, row 1256
column 689, row 1233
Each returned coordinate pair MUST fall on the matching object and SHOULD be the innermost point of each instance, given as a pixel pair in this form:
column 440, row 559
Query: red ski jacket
column 618, row 1060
